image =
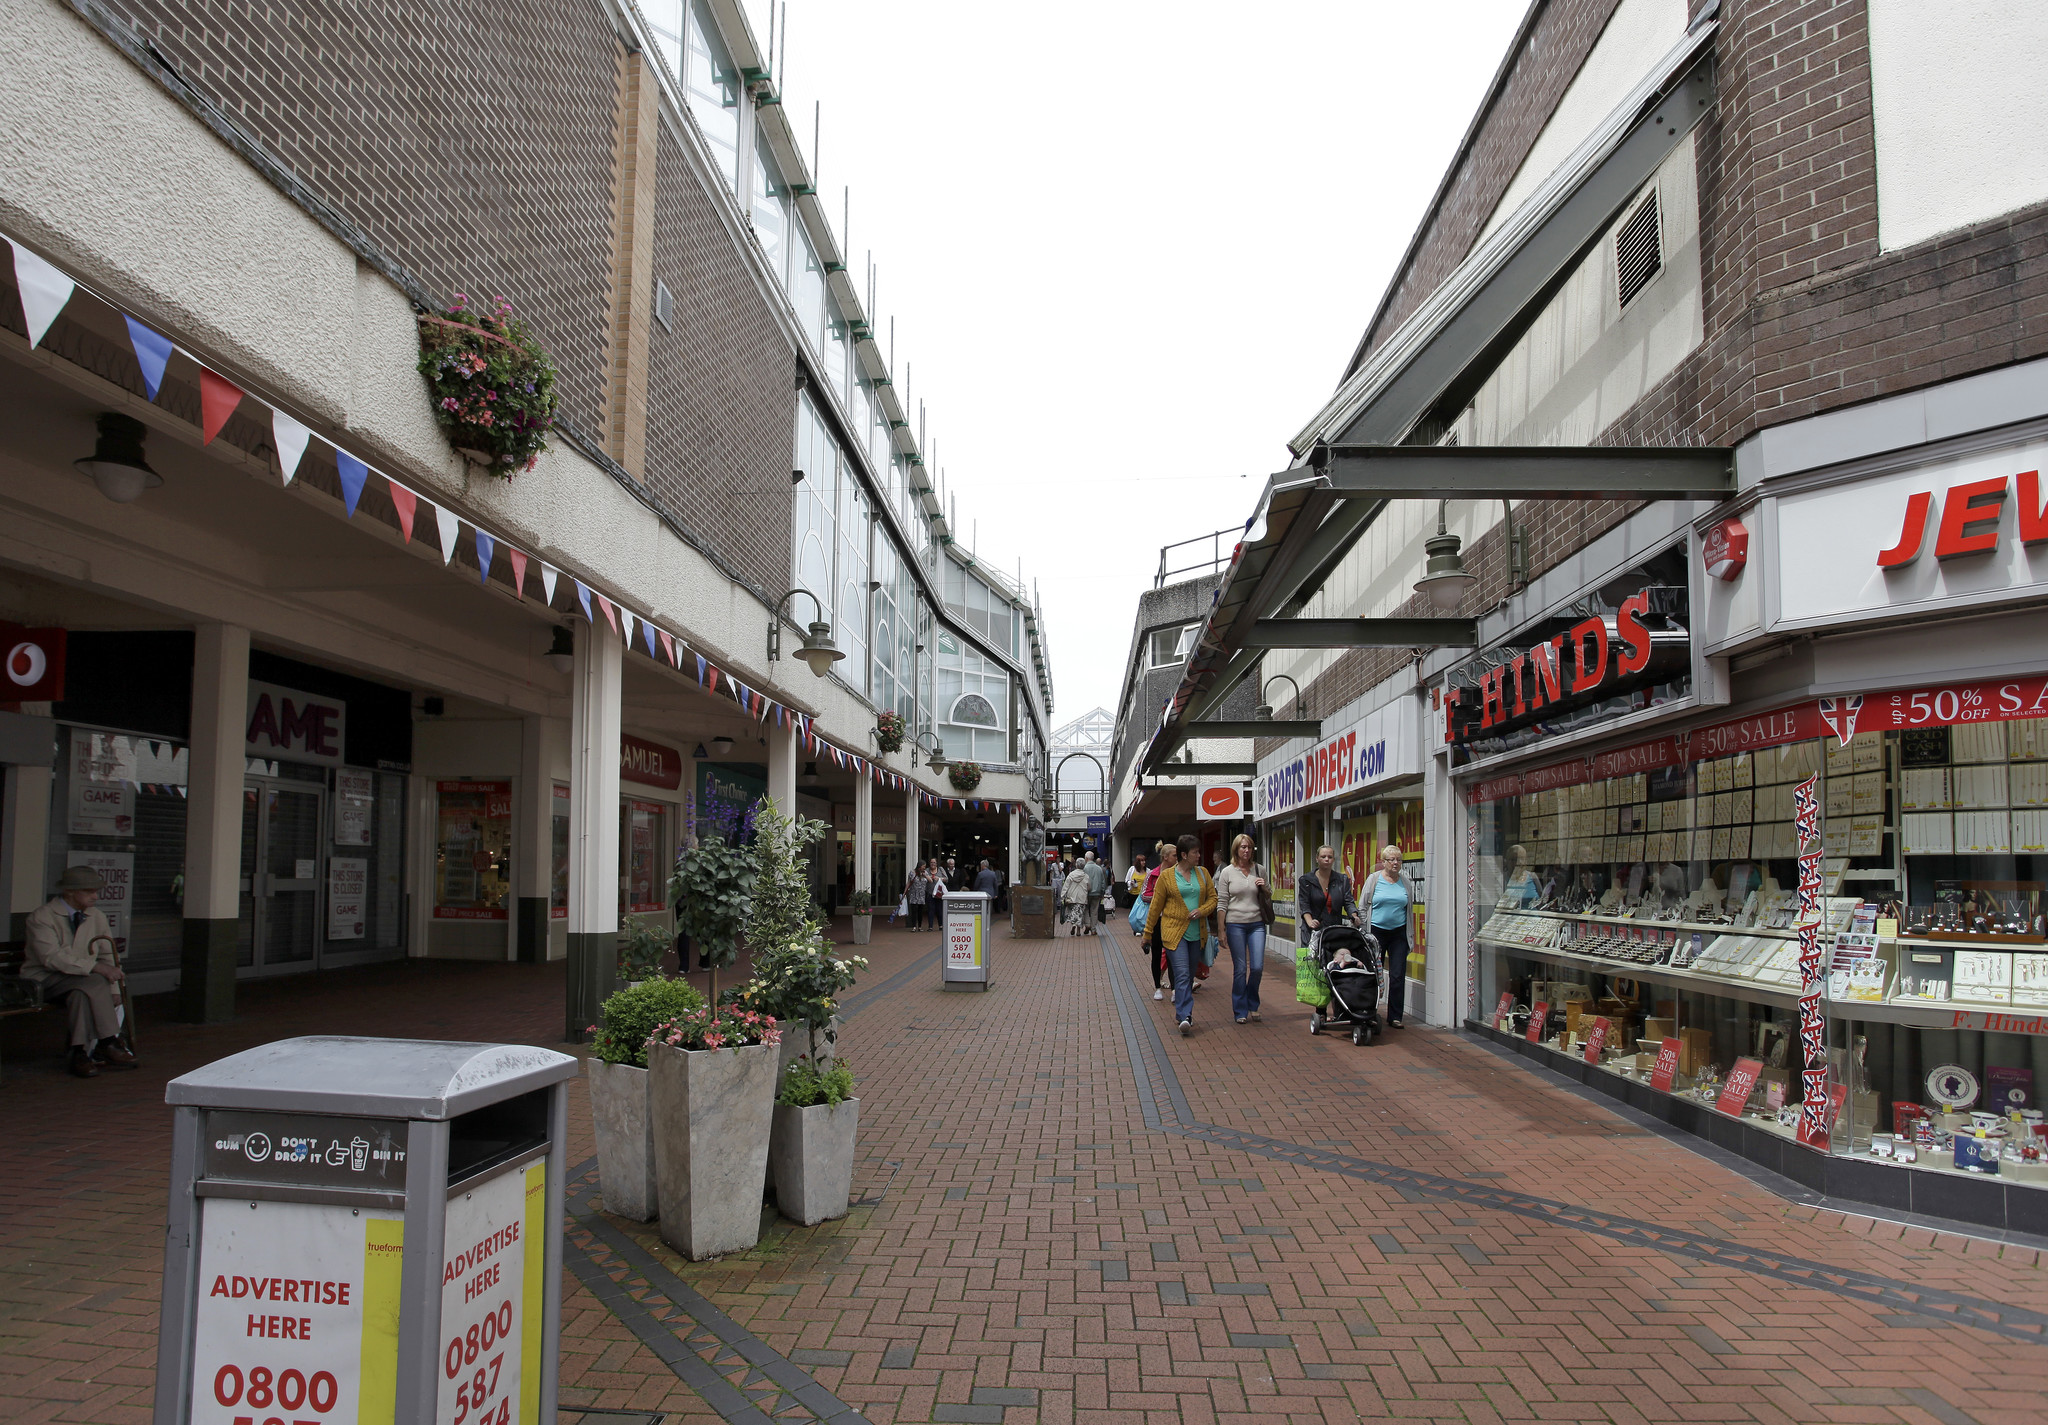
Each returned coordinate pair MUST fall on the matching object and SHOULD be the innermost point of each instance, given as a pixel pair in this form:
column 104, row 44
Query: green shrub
column 628, row 1017
column 642, row 949
column 805, row 1085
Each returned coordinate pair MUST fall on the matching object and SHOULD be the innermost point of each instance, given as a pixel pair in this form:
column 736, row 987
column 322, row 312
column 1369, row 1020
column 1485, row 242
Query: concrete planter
column 625, row 1138
column 863, row 929
column 711, row 1112
column 796, row 1042
column 811, row 1156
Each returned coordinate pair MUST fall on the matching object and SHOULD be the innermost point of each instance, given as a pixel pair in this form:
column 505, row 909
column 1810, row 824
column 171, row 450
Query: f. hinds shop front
column 1789, row 773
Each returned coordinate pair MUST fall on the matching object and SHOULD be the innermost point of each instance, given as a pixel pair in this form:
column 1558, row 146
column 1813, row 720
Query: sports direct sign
column 1379, row 747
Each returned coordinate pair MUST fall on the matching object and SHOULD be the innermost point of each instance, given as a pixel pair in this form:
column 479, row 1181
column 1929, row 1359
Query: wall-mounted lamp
column 810, row 778
column 935, row 755
column 116, row 464
column 561, row 654
column 1444, row 578
column 720, row 746
column 1264, row 711
column 818, row 648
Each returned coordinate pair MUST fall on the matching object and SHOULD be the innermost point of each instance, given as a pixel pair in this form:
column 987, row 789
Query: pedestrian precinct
column 1074, row 900
column 1244, row 906
column 1385, row 898
column 1182, row 900
column 914, row 889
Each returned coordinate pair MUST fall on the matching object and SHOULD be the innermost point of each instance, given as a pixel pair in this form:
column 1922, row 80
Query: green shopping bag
column 1311, row 985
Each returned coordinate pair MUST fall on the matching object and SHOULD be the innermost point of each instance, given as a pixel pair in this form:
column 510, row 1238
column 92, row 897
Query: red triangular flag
column 218, row 398
column 405, row 502
column 611, row 615
column 712, row 673
column 518, row 558
column 668, row 644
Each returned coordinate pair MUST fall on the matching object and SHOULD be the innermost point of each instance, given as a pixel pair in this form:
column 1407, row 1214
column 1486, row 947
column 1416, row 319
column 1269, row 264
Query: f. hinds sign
column 1967, row 531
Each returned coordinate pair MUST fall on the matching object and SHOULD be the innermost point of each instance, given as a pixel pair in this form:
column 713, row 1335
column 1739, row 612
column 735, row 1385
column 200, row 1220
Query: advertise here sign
column 963, row 942
column 491, row 1300
column 1378, row 747
column 290, row 726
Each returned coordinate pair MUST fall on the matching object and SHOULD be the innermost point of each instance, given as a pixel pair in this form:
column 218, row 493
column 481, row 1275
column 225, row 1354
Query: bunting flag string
column 218, row 398
column 626, row 623
column 548, row 575
column 448, row 526
column 45, row 291
column 290, row 437
column 152, row 353
column 352, row 473
column 1816, row 1098
column 611, row 612
column 485, row 547
column 583, row 598
column 406, row 503
column 517, row 556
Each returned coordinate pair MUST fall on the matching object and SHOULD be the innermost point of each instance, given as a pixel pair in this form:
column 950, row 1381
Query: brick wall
column 474, row 144
column 721, row 388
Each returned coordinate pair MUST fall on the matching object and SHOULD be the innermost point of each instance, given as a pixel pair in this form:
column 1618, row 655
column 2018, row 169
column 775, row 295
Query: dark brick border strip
column 1153, row 1066
column 889, row 986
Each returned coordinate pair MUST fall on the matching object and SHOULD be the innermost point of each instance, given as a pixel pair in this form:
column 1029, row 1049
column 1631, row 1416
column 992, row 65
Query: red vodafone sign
column 1221, row 801
column 34, row 664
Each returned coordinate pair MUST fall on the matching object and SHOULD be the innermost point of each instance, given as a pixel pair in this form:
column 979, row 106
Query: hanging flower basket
column 493, row 387
column 889, row 731
column 965, row 776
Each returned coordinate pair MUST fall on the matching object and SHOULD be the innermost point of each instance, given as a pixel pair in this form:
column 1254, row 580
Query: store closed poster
column 355, row 802
column 117, row 891
column 103, row 777
column 348, row 889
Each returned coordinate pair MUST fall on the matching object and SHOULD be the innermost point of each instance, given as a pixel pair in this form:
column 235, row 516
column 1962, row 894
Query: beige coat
column 55, row 949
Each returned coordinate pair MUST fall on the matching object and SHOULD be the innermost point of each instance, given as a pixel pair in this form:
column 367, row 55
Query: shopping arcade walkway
column 1051, row 1190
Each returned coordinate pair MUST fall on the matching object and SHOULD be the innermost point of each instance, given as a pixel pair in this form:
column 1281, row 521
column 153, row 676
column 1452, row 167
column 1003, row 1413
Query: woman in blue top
column 1385, row 897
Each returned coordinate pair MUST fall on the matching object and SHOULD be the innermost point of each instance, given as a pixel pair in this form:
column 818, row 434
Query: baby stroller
column 1356, row 986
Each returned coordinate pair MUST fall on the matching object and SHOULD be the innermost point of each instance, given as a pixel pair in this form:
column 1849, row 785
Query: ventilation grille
column 664, row 305
column 1638, row 250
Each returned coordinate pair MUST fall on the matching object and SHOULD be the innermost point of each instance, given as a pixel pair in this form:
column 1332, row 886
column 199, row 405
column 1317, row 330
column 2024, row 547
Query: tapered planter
column 812, row 1159
column 711, row 1111
column 625, row 1138
column 863, row 929
column 796, row 1042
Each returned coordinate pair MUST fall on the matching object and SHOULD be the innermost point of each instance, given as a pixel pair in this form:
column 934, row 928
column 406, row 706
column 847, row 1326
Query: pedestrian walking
column 1181, row 900
column 1324, row 894
column 1385, row 898
column 987, row 882
column 1245, row 907
column 1074, row 899
column 914, row 890
column 935, row 893
column 1165, row 853
column 1098, row 886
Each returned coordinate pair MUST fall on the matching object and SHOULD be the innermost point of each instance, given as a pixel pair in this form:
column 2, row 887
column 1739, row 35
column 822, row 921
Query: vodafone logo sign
column 1221, row 801
column 34, row 664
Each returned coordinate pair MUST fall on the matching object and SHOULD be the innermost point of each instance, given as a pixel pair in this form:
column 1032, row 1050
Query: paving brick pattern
column 1067, row 1213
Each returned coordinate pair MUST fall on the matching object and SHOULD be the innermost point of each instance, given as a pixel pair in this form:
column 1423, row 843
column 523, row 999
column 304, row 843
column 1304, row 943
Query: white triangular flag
column 548, row 576
column 291, row 438
column 626, row 616
column 450, row 526
column 44, row 291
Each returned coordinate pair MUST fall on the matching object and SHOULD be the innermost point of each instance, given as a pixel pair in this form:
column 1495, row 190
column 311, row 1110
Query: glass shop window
column 643, row 886
column 473, row 850
column 558, row 858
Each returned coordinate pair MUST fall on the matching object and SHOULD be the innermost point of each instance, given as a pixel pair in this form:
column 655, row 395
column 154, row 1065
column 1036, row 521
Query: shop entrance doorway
column 280, row 883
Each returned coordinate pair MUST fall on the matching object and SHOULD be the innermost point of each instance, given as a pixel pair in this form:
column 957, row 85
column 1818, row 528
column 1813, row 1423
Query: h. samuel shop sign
column 1380, row 747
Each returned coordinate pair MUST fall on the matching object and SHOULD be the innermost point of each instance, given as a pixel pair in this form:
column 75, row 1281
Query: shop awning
column 1353, row 461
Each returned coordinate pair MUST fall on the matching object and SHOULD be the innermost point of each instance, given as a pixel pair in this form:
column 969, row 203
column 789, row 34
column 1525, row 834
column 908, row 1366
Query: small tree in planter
column 816, row 1122
column 863, row 904
column 800, row 984
column 713, row 893
column 711, row 1076
column 617, row 1073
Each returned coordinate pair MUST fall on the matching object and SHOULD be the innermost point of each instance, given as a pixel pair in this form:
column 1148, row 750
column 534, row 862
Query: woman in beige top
column 1238, row 887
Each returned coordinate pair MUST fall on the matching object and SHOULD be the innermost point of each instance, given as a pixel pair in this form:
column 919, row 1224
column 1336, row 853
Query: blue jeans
column 1181, row 959
column 1247, row 966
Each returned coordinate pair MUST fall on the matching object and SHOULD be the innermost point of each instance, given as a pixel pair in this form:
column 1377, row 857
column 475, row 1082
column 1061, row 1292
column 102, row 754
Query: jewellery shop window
column 1647, row 922
column 643, row 882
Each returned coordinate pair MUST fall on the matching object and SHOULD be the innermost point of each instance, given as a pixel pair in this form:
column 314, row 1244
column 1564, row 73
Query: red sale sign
column 1741, row 1082
column 1537, row 1017
column 1597, row 1040
column 1666, row 1068
column 1500, row 1011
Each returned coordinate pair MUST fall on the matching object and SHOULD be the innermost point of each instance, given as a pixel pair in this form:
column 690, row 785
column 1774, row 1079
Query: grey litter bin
column 365, row 1230
column 964, row 965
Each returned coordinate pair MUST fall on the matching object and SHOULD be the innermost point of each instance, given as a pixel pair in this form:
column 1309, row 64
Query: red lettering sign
column 649, row 763
column 1500, row 1011
column 1537, row 1018
column 1969, row 522
column 1741, row 1083
column 1666, row 1068
column 1597, row 1040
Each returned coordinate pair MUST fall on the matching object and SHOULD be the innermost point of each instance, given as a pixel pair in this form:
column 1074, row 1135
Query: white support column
column 864, row 835
column 1016, row 847
column 782, row 766
column 533, row 840
column 910, row 810
column 594, row 691
column 213, row 822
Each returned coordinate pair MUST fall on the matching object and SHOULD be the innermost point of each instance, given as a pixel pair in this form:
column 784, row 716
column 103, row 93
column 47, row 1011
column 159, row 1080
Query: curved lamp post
column 818, row 648
column 1265, row 709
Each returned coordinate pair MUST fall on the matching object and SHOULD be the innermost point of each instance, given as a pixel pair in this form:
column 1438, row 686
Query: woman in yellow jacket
column 1183, row 899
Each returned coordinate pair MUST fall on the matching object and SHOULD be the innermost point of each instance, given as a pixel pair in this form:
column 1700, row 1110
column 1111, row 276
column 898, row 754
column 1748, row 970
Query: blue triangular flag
column 647, row 637
column 153, row 350
column 485, row 548
column 583, row 596
column 352, row 472
column 700, row 668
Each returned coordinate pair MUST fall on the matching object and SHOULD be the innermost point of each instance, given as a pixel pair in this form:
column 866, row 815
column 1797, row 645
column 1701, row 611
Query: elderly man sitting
column 71, row 956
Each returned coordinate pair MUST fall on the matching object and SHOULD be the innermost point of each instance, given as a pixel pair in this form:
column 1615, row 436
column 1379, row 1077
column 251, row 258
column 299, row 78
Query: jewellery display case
column 1643, row 926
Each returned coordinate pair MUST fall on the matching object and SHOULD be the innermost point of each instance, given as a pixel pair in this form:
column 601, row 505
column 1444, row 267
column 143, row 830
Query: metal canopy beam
column 1522, row 472
column 1263, row 727
column 1364, row 633
column 1205, row 769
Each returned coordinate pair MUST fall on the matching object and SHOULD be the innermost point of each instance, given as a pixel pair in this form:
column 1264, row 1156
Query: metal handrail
column 1218, row 560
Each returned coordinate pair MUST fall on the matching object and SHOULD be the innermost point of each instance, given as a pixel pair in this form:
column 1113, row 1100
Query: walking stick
column 120, row 992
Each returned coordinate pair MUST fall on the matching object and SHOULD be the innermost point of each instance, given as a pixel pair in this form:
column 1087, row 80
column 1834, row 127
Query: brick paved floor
column 1070, row 1214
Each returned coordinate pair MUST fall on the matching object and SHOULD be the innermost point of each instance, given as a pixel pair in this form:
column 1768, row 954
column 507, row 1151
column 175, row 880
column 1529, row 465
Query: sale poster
column 1741, row 1082
column 491, row 1284
column 1537, row 1017
column 1500, row 1011
column 1666, row 1067
column 1596, row 1042
column 297, row 1314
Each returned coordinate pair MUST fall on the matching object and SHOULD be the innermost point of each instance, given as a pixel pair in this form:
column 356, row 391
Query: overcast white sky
column 1128, row 247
